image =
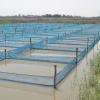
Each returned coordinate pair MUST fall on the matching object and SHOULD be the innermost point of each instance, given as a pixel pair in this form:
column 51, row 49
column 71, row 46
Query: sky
column 87, row 8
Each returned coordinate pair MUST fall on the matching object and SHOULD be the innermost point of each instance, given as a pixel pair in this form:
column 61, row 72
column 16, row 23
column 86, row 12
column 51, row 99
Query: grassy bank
column 91, row 87
column 17, row 19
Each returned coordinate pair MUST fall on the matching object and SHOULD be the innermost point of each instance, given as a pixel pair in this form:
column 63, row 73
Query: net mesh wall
column 23, row 37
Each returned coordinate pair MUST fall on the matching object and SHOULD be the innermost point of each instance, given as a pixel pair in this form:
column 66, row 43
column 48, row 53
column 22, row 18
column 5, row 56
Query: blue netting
column 21, row 37
column 2, row 55
column 61, row 75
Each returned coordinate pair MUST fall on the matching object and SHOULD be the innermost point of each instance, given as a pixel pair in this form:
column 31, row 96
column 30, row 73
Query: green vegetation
column 91, row 89
column 25, row 19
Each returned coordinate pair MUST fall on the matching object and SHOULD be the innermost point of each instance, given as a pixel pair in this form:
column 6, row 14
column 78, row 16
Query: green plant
column 92, row 90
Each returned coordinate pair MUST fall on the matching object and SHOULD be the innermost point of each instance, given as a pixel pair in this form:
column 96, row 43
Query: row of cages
column 59, row 47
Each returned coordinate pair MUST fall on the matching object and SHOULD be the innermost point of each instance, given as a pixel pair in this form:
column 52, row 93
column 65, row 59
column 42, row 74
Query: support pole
column 94, row 46
column 5, row 53
column 2, row 32
column 30, row 43
column 58, row 36
column 46, row 39
column 87, row 50
column 23, row 33
column 93, row 51
column 94, row 40
column 98, row 35
column 5, row 39
column 76, row 56
column 15, row 30
column 55, row 73
column 65, row 35
column 98, row 42
column 5, row 56
column 87, row 44
column 98, row 45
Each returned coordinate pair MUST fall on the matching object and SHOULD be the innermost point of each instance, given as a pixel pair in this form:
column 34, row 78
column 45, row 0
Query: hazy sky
column 38, row 7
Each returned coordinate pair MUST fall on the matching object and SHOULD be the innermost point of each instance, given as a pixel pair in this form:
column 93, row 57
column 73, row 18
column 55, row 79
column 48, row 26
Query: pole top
column 77, row 49
column 5, row 49
column 55, row 65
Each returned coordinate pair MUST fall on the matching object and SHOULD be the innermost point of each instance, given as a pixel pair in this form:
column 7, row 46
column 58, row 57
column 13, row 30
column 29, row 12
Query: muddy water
column 50, row 52
column 66, row 90
column 30, row 67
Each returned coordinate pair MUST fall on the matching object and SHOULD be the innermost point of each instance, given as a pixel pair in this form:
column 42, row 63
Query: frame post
column 5, row 39
column 15, row 30
column 55, row 73
column 58, row 37
column 76, row 56
column 5, row 53
column 46, row 39
column 94, row 40
column 30, row 43
column 87, row 44
column 98, row 35
column 98, row 41
column 94, row 46
column 65, row 35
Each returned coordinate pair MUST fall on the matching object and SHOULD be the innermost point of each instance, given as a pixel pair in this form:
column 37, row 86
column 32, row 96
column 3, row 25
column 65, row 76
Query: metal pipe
column 5, row 53
column 55, row 73
column 30, row 43
column 76, row 56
